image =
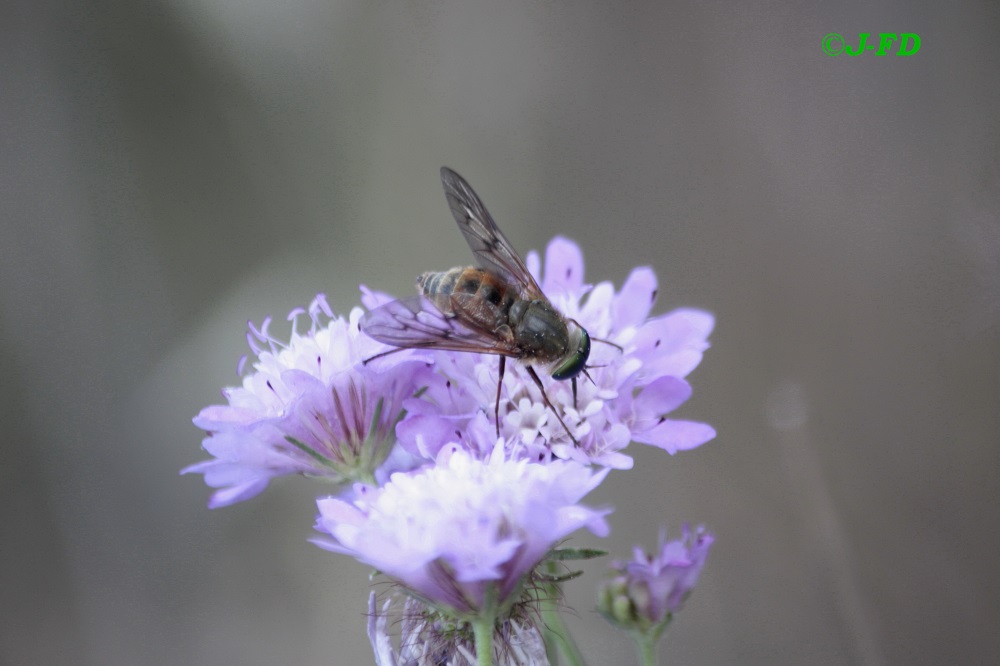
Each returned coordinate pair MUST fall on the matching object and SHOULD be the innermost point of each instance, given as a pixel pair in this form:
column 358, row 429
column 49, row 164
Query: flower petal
column 599, row 302
column 636, row 298
column 673, row 344
column 657, row 399
column 217, row 417
column 425, row 435
column 534, row 265
column 372, row 299
column 238, row 493
column 563, row 267
column 673, row 436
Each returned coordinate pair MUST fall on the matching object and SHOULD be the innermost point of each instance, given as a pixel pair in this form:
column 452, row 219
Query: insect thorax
column 540, row 330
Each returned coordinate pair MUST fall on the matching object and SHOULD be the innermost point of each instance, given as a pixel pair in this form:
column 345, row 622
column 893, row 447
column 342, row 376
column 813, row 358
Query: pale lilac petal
column 219, row 474
column 237, row 493
column 300, row 381
column 636, row 298
column 598, row 302
column 216, row 417
column 563, row 267
column 252, row 451
column 534, row 265
column 240, row 458
column 613, row 460
column 339, row 512
column 424, row 435
column 659, row 398
column 673, row 436
column 673, row 344
column 589, row 518
column 699, row 321
column 372, row 299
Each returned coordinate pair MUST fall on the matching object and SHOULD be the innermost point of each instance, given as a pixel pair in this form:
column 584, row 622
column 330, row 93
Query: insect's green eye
column 574, row 363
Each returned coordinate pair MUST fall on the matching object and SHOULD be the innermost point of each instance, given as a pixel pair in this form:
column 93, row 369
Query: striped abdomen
column 493, row 297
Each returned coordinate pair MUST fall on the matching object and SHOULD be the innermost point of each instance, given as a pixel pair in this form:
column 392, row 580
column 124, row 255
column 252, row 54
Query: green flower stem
column 483, row 626
column 482, row 629
column 646, row 640
column 646, row 645
column 556, row 630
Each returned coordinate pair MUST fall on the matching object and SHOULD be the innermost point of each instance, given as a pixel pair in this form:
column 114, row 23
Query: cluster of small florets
column 644, row 593
column 433, row 497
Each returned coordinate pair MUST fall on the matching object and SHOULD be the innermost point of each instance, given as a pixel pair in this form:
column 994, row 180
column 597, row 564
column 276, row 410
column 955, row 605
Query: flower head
column 463, row 534
column 643, row 593
column 310, row 406
column 635, row 377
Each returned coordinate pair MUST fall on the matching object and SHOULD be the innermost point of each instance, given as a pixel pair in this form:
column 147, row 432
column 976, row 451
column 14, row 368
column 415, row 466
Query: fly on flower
column 495, row 307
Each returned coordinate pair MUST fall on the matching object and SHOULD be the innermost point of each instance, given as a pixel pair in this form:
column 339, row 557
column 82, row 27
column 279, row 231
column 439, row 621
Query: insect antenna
column 607, row 342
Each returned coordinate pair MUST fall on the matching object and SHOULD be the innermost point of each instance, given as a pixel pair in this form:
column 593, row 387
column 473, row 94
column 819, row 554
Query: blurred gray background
column 171, row 169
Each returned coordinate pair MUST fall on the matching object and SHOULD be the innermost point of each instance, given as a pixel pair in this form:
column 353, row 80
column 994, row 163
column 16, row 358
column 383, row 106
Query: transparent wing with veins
column 416, row 323
column 490, row 247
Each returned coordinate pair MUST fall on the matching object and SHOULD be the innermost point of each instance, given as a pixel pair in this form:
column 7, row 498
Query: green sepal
column 310, row 451
column 561, row 578
column 565, row 554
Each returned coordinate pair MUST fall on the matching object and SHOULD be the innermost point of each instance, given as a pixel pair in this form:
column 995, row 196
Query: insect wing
column 491, row 248
column 416, row 323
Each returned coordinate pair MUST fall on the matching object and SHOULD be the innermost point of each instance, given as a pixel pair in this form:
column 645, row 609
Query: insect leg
column 538, row 383
column 385, row 353
column 574, row 393
column 496, row 409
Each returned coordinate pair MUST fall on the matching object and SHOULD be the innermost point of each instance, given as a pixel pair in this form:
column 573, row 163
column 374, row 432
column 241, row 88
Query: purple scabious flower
column 308, row 407
column 642, row 594
column 463, row 534
column 633, row 391
column 428, row 638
